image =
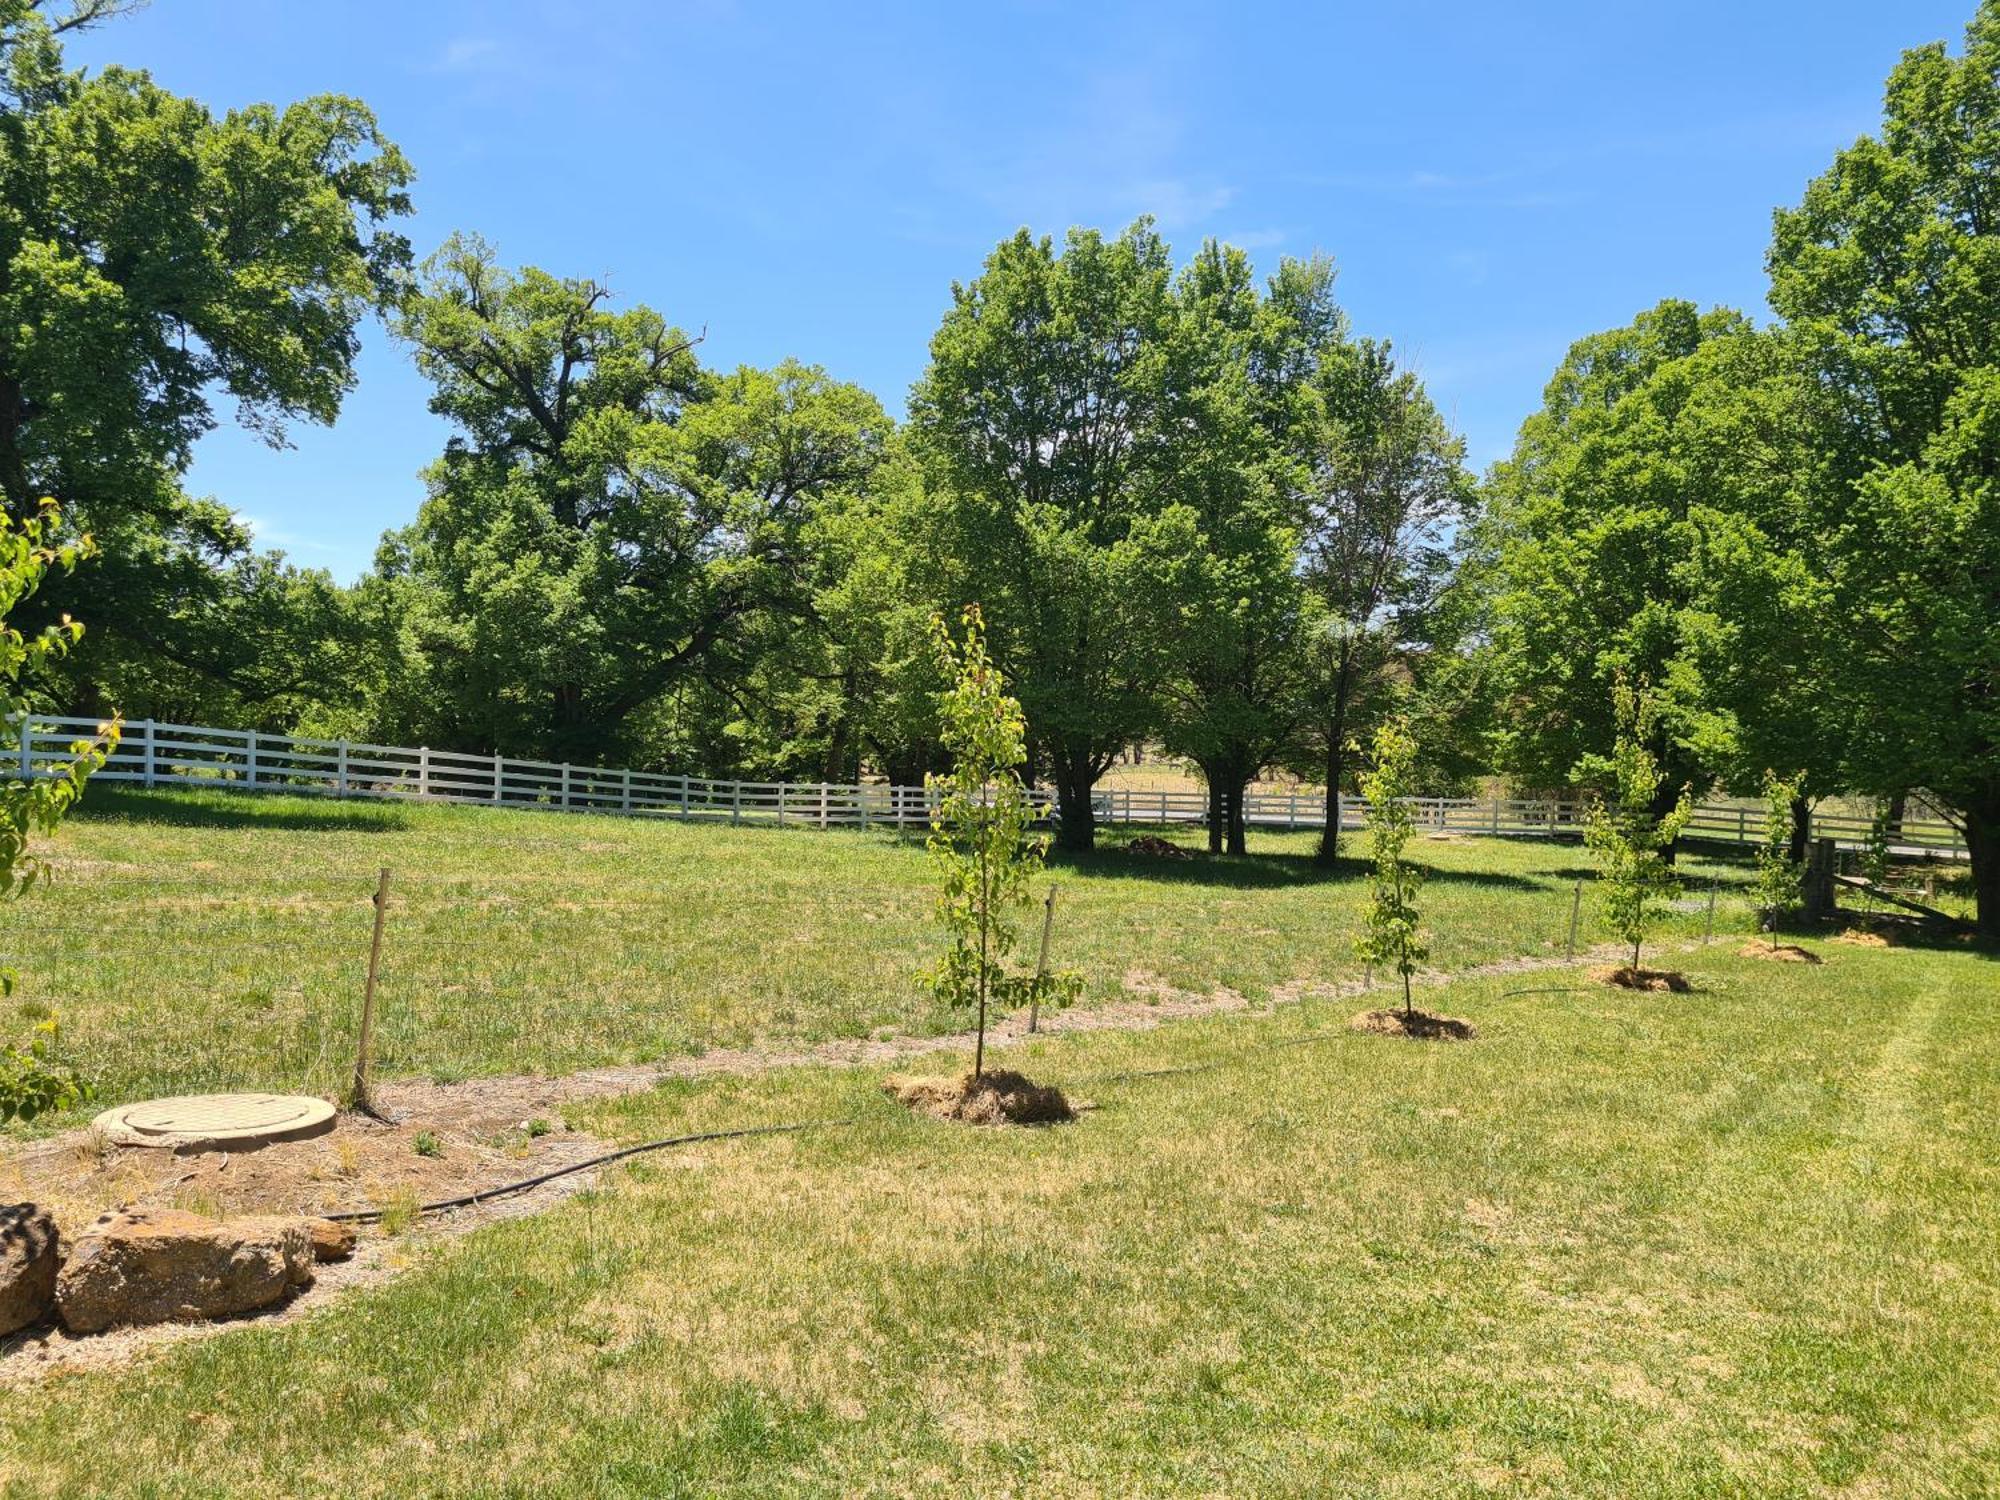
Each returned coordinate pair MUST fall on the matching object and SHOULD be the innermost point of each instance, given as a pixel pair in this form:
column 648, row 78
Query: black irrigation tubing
column 371, row 1215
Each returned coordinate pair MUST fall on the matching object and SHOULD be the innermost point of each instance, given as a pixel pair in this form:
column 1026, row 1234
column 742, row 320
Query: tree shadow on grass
column 1261, row 871
column 105, row 802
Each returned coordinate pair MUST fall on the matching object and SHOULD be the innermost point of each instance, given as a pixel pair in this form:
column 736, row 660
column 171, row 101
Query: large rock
column 30, row 1252
column 330, row 1241
column 159, row 1265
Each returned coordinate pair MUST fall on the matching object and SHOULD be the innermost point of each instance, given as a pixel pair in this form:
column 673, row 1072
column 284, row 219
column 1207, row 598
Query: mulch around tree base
column 1862, row 937
column 1625, row 977
column 1000, row 1097
column 1784, row 953
column 1418, row 1025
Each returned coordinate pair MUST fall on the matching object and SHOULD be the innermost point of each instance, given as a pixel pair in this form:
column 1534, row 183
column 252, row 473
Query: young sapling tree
column 1777, row 882
column 1391, row 935
column 980, row 841
column 1628, row 839
column 1875, row 854
column 32, row 1079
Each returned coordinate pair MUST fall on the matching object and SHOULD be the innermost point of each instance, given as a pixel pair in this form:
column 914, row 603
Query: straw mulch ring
column 1625, row 977
column 1784, row 953
column 1418, row 1025
column 1865, row 937
column 1000, row 1097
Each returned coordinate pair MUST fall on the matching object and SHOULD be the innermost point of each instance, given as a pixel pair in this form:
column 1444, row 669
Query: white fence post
column 250, row 760
column 423, row 770
column 340, row 769
column 686, row 813
column 822, row 805
column 152, row 755
column 625, row 802
column 27, row 746
column 499, row 777
column 565, row 786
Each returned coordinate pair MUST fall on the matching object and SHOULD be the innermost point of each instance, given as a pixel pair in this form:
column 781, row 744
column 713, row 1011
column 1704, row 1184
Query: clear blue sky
column 808, row 179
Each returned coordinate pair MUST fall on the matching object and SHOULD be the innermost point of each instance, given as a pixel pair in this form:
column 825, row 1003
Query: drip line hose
column 484, row 1195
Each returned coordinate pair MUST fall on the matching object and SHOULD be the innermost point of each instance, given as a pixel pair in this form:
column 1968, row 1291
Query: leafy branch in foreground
column 980, row 842
column 1391, row 935
column 1626, row 836
column 32, row 1079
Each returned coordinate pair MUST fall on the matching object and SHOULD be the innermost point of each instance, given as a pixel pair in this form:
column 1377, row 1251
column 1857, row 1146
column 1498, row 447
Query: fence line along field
column 154, row 754
column 525, row 941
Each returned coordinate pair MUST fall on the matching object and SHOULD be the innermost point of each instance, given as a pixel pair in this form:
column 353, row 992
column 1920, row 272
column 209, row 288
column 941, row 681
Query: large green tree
column 613, row 528
column 1040, row 421
column 1889, row 274
column 1234, row 615
column 1647, row 528
column 156, row 259
column 1382, row 496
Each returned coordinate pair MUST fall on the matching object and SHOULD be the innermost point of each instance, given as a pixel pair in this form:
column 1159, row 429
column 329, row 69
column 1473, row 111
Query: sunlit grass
column 199, row 941
column 1743, row 1242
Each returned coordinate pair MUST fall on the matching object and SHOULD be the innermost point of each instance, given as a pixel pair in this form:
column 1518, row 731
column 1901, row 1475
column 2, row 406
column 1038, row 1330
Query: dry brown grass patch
column 1418, row 1025
column 1001, row 1097
column 1783, row 953
column 1625, row 977
column 1864, row 937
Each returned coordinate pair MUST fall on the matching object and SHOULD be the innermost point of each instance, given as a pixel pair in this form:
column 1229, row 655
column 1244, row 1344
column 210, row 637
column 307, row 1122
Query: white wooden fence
column 159, row 754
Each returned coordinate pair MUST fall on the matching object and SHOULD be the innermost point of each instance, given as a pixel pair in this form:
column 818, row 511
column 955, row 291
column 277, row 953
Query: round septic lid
column 217, row 1122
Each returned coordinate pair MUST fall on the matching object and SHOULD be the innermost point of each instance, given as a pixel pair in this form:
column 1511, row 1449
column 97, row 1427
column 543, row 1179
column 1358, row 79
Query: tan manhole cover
column 217, row 1122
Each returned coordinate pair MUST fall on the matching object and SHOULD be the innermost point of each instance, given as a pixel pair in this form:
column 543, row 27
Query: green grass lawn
column 196, row 941
column 1744, row 1242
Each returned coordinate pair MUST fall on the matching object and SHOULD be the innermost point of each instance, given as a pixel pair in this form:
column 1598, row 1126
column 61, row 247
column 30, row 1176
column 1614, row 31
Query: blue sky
column 1493, row 181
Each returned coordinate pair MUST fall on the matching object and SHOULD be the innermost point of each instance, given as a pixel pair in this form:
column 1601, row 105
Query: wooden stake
column 1575, row 910
column 1042, row 963
column 361, row 1100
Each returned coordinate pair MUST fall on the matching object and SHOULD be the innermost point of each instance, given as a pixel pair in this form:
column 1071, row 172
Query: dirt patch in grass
column 1625, row 977
column 1418, row 1025
column 1863, row 938
column 997, row 1098
column 481, row 1135
column 1783, row 953
column 1157, row 847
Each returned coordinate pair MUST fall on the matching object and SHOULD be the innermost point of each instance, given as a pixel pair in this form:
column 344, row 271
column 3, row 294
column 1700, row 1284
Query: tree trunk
column 1237, row 782
column 1795, row 851
column 1218, row 814
column 1336, row 766
column 1899, row 806
column 1982, row 838
column 1076, row 819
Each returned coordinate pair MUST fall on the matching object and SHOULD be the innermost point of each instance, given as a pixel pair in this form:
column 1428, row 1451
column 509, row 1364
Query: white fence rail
column 160, row 754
